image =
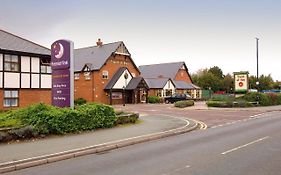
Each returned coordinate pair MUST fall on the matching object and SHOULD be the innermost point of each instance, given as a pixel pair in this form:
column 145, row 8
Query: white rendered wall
column 35, row 81
column 46, row 81
column 167, row 85
column 25, row 80
column 122, row 81
column 25, row 64
column 35, row 63
column 1, row 61
column 11, row 80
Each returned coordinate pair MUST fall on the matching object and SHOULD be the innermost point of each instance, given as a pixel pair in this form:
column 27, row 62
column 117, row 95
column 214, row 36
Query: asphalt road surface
column 250, row 147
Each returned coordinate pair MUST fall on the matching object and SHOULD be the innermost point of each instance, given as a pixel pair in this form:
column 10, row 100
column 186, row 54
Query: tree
column 265, row 82
column 228, row 83
column 207, row 80
column 217, row 72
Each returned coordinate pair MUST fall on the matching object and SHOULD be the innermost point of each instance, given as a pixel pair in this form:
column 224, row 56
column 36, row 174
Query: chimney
column 99, row 42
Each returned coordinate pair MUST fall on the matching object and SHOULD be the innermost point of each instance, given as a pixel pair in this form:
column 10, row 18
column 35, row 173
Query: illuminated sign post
column 241, row 82
column 62, row 73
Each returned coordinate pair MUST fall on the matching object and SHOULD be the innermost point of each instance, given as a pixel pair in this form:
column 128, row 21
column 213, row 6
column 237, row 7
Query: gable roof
column 136, row 82
column 156, row 83
column 94, row 55
column 12, row 42
column 163, row 70
column 97, row 55
column 184, row 85
column 115, row 78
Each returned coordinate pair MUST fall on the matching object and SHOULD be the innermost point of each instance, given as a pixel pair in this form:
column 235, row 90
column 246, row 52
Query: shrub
column 242, row 103
column 23, row 133
column 153, row 99
column 127, row 118
column 278, row 99
column 46, row 119
column 221, row 97
column 80, row 101
column 9, row 122
column 183, row 104
column 273, row 98
column 222, row 104
column 96, row 116
column 263, row 99
column 4, row 137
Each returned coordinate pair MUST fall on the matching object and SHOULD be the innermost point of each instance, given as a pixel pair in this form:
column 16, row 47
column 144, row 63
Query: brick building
column 104, row 73
column 25, row 73
column 107, row 74
column 168, row 78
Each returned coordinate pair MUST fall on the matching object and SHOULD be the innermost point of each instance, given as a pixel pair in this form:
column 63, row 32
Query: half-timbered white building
column 25, row 72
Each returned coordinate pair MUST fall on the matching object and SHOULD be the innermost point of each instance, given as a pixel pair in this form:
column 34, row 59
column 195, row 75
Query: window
column 87, row 75
column 11, row 63
column 168, row 92
column 76, row 76
column 11, row 98
column 105, row 74
column 116, row 95
column 45, row 65
column 159, row 93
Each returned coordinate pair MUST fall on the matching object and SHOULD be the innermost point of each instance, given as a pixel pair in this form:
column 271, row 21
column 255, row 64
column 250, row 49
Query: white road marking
column 257, row 116
column 243, row 146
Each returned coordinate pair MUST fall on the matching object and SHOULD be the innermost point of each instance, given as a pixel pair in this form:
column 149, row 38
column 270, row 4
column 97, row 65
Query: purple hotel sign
column 62, row 73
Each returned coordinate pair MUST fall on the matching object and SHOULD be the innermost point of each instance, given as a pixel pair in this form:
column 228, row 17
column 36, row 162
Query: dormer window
column 76, row 76
column 87, row 75
column 105, row 74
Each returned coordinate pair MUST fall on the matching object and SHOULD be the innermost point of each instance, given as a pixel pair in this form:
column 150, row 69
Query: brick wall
column 93, row 90
column 83, row 88
column 183, row 75
column 152, row 92
column 28, row 97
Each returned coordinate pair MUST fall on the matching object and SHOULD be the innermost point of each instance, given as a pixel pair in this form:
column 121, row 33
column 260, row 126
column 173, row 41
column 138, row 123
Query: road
column 251, row 147
column 211, row 117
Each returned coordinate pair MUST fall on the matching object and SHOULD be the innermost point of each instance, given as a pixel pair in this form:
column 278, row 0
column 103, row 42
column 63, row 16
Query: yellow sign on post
column 241, row 82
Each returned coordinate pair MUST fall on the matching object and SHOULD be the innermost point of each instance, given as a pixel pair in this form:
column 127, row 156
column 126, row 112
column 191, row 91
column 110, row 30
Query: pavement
column 24, row 154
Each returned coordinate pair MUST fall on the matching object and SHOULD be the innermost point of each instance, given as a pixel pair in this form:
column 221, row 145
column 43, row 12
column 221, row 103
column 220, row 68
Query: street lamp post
column 257, row 45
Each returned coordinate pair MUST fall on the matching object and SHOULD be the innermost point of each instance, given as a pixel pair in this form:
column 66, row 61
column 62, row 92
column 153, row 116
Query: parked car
column 177, row 97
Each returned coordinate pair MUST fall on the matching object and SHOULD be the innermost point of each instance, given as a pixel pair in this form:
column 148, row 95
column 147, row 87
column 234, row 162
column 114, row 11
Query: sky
column 202, row 33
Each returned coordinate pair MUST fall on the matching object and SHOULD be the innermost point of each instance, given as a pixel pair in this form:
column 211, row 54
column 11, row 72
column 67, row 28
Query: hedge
column 153, row 99
column 248, row 100
column 183, row 104
column 222, row 97
column 222, row 104
column 46, row 119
